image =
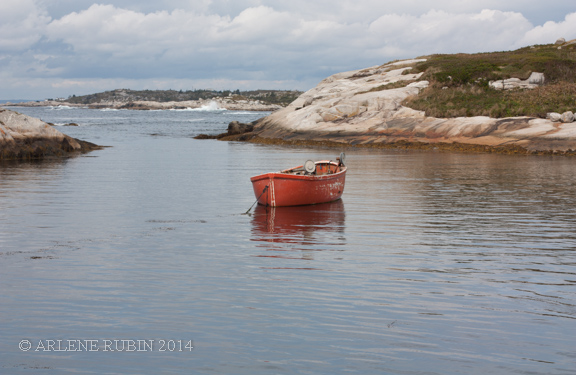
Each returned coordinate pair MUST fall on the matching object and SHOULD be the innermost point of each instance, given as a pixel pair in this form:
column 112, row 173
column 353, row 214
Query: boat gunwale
column 285, row 175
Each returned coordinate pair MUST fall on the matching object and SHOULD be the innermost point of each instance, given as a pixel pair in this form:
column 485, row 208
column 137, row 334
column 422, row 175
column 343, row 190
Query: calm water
column 431, row 263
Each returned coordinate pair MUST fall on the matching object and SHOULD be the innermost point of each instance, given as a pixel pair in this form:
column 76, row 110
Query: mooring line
column 263, row 191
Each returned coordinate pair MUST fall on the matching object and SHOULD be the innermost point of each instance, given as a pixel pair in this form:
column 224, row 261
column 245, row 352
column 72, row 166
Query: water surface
column 432, row 263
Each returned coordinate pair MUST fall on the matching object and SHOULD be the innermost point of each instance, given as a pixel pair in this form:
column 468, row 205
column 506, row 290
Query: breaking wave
column 210, row 107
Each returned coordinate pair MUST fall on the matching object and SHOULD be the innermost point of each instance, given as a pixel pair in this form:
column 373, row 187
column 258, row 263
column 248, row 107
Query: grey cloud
column 243, row 42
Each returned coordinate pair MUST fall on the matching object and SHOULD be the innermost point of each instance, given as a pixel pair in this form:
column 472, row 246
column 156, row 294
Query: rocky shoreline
column 217, row 103
column 325, row 142
column 356, row 109
column 370, row 108
column 24, row 138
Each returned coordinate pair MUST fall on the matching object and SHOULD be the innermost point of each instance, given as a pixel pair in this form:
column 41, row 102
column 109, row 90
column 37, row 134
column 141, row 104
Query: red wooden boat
column 311, row 183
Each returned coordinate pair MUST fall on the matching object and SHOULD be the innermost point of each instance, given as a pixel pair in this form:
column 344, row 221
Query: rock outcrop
column 236, row 127
column 364, row 107
column 25, row 137
column 566, row 117
column 535, row 80
column 236, row 131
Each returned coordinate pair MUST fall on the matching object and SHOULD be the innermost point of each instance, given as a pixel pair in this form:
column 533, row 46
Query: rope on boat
column 263, row 191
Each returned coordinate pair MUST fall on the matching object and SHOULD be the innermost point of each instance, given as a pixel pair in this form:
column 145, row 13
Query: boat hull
column 285, row 189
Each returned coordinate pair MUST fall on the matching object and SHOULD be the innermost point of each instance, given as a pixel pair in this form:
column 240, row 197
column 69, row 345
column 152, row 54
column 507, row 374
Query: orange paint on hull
column 289, row 189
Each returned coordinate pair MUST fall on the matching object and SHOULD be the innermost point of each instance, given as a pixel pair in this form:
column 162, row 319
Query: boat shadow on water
column 303, row 229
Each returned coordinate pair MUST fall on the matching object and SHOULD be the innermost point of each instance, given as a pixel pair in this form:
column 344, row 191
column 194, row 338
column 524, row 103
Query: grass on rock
column 459, row 83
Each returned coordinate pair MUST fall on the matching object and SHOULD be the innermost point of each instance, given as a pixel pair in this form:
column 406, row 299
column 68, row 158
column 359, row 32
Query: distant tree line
column 279, row 97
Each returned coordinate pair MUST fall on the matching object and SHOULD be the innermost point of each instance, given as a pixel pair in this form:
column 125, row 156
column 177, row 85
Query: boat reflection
column 304, row 229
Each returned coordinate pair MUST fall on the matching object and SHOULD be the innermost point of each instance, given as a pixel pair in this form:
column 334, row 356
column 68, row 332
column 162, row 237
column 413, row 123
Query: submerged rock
column 25, row 137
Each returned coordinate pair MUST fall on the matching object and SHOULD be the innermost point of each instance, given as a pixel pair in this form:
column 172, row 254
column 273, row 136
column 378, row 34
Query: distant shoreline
column 15, row 101
column 211, row 104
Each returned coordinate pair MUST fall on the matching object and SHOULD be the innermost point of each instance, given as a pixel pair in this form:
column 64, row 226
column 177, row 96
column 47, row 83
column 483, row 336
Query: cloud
column 261, row 36
column 105, row 29
column 22, row 24
column 257, row 24
column 443, row 32
column 121, row 33
column 178, row 43
column 246, row 42
column 551, row 31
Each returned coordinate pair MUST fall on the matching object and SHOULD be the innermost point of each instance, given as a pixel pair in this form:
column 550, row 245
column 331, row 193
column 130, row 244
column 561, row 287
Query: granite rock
column 25, row 137
column 365, row 107
column 567, row 117
column 554, row 116
column 536, row 79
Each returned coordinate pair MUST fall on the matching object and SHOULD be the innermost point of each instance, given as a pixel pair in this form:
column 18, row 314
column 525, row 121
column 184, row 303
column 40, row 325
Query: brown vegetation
column 459, row 83
column 471, row 100
column 408, row 145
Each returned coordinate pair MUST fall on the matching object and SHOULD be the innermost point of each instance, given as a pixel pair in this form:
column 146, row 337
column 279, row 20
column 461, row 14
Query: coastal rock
column 554, row 116
column 236, row 127
column 25, row 137
column 364, row 107
column 569, row 43
column 560, row 41
column 536, row 79
column 567, row 117
column 236, row 131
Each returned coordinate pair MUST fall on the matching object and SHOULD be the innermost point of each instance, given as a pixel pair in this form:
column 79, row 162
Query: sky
column 59, row 48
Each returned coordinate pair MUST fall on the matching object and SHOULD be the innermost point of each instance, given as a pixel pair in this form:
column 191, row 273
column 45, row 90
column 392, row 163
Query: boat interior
column 320, row 168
